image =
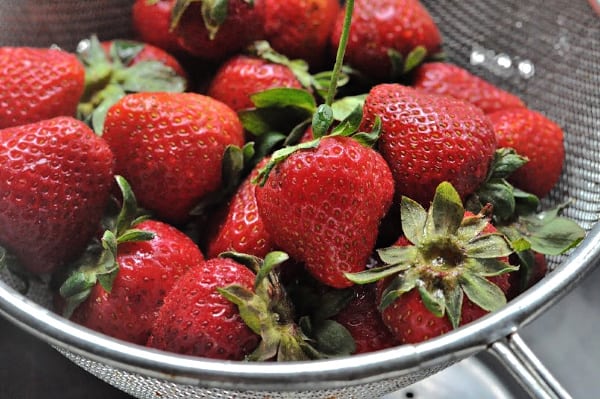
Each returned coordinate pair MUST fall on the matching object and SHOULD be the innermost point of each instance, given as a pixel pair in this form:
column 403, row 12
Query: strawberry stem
column 341, row 50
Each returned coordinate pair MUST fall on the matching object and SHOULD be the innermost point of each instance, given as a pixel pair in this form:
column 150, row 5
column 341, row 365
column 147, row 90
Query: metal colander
column 547, row 51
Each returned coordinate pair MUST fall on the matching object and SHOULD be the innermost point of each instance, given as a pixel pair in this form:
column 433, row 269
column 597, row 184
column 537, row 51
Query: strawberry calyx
column 517, row 214
column 109, row 77
column 404, row 65
column 214, row 13
column 11, row 264
column 268, row 312
column 449, row 256
column 99, row 262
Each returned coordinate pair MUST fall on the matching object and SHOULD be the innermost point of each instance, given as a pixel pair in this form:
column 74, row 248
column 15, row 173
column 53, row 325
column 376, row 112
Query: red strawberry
column 197, row 320
column 242, row 76
column 214, row 30
column 55, row 180
column 118, row 67
column 384, row 28
column 170, row 147
column 135, row 52
column 241, row 227
column 427, row 139
column 323, row 206
column 147, row 271
column 151, row 21
column 300, row 29
column 454, row 81
column 362, row 319
column 536, row 137
column 38, row 84
column 450, row 268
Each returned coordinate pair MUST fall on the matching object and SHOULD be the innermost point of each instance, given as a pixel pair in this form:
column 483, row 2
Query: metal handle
column 514, row 354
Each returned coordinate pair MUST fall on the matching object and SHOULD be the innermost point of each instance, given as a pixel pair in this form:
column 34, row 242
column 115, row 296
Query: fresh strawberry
column 300, row 29
column 450, row 268
column 118, row 67
column 240, row 228
column 151, row 21
column 242, row 76
column 133, row 52
column 323, row 206
column 196, row 319
column 214, row 30
column 38, row 84
column 55, row 180
column 147, row 271
column 362, row 319
column 427, row 139
column 536, row 137
column 454, row 81
column 170, row 147
column 388, row 37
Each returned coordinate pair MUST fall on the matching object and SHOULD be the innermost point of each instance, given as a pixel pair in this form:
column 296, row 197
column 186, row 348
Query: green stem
column 339, row 58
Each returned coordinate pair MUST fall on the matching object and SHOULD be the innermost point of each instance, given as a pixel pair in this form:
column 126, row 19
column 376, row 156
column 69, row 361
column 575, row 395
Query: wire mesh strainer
column 546, row 51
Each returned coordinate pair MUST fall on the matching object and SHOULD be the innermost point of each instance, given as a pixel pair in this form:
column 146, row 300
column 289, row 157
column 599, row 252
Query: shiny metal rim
column 355, row 370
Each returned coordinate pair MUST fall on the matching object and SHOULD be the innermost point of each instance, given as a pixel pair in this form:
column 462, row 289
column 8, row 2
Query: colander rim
column 330, row 373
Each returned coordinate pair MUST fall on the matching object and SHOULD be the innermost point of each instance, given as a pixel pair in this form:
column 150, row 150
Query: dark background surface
column 31, row 369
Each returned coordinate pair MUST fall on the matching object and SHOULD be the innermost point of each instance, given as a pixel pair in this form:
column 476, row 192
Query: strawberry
column 118, row 67
column 241, row 76
column 38, row 84
column 450, row 268
column 240, row 228
column 55, row 180
column 151, row 21
column 536, row 137
column 301, row 28
column 133, row 52
column 323, row 205
column 427, row 139
column 387, row 36
column 170, row 147
column 147, row 272
column 362, row 319
column 198, row 320
column 214, row 30
column 452, row 80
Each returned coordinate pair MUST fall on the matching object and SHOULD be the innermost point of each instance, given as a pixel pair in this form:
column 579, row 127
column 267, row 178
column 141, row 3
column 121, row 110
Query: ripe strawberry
column 118, row 67
column 427, row 139
column 323, row 206
column 454, row 81
column 147, row 271
column 300, row 29
column 536, row 137
column 151, row 21
column 170, row 147
column 133, row 52
column 362, row 319
column 198, row 320
column 450, row 268
column 241, row 76
column 55, row 180
column 384, row 33
column 214, row 30
column 240, row 228
column 38, row 84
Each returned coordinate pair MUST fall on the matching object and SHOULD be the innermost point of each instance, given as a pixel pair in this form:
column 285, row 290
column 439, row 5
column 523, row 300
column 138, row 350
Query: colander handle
column 528, row 370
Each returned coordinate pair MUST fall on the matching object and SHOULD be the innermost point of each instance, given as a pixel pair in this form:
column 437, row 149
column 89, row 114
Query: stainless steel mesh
column 547, row 51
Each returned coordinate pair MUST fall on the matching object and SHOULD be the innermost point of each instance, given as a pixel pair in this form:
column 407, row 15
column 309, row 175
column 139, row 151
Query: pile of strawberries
column 213, row 189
